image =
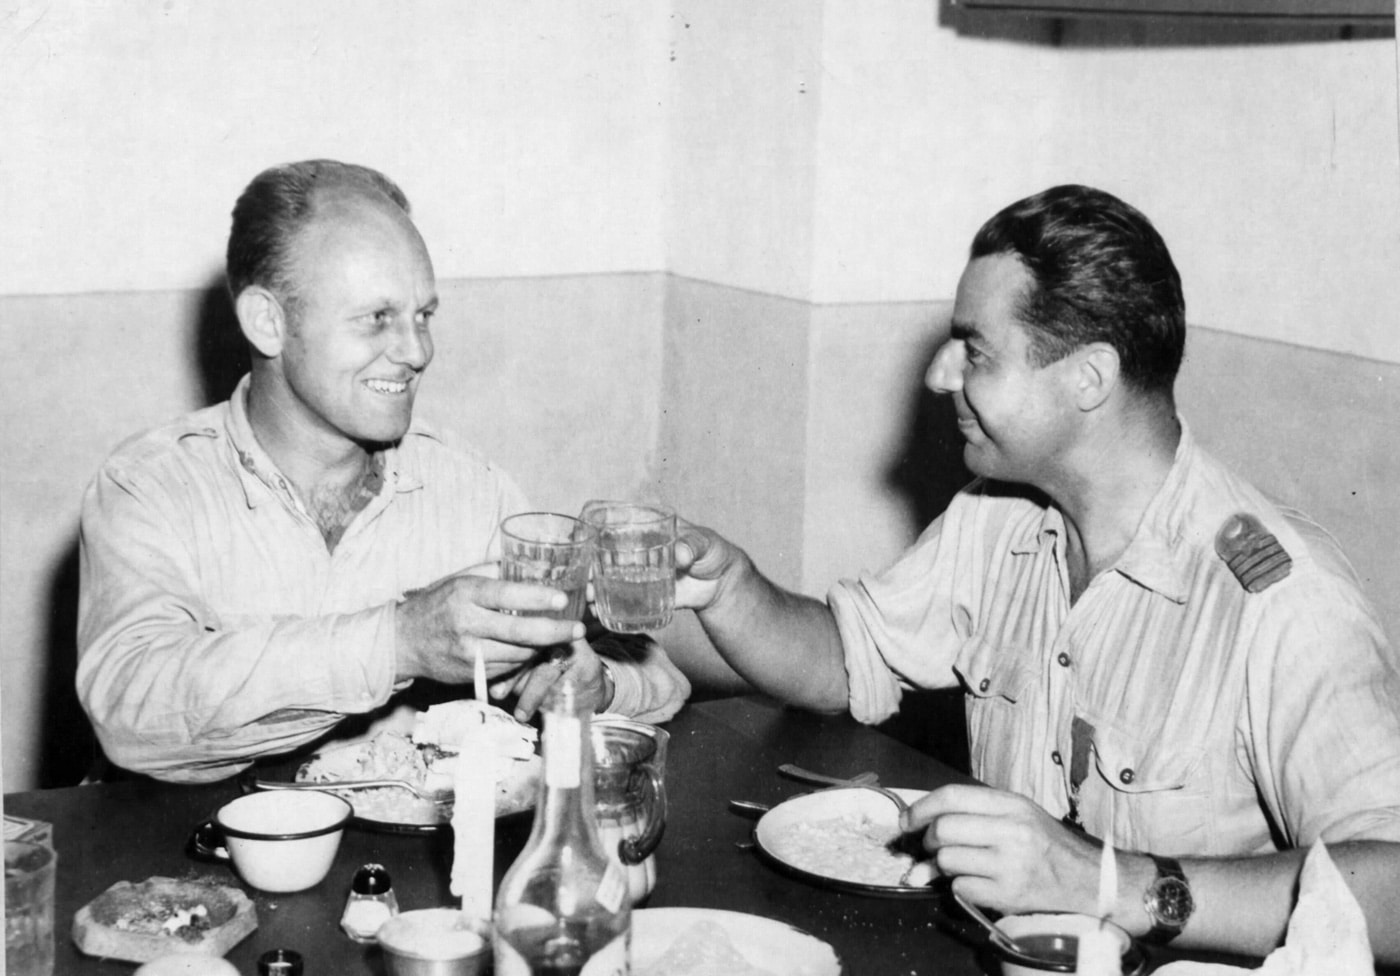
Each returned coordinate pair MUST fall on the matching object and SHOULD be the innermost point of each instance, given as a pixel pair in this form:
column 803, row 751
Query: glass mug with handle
column 634, row 564
column 553, row 549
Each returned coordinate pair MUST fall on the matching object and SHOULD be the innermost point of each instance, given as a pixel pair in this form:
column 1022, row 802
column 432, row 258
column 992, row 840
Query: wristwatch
column 1168, row 901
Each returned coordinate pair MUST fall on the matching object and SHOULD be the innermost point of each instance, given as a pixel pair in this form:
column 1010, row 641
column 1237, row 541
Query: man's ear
column 262, row 319
column 1096, row 376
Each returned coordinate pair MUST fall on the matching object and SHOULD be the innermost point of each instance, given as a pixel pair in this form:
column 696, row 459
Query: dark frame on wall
column 1330, row 11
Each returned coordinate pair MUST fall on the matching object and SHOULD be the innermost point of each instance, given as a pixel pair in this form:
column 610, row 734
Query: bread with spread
column 138, row 922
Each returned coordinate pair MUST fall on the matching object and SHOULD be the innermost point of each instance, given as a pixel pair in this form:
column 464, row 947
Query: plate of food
column 846, row 838
column 713, row 942
column 424, row 751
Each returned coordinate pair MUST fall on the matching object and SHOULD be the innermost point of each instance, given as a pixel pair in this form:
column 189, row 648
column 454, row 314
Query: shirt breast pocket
column 997, row 681
column 992, row 671
column 1160, row 800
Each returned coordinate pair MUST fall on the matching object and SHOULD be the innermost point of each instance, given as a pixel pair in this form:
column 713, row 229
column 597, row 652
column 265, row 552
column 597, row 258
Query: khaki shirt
column 1209, row 720
column 215, row 627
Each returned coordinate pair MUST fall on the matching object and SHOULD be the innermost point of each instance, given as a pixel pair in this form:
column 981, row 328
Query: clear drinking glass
column 556, row 550
column 29, row 880
column 634, row 566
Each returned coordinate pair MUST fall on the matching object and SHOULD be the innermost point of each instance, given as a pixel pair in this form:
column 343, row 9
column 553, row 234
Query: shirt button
column 984, row 684
column 1055, row 758
column 1126, row 777
column 1064, row 660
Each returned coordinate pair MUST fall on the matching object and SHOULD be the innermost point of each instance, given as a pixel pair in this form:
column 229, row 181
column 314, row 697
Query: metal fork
column 436, row 796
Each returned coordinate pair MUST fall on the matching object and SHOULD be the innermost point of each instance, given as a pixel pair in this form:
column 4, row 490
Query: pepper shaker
column 371, row 903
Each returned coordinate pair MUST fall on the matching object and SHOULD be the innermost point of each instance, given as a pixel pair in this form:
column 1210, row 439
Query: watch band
column 1168, row 901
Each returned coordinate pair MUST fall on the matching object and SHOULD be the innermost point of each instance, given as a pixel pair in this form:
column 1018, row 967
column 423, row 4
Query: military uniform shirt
column 1209, row 720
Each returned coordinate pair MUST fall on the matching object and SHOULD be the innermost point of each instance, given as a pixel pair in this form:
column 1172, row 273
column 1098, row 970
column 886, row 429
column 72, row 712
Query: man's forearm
column 184, row 704
column 1243, row 904
column 784, row 644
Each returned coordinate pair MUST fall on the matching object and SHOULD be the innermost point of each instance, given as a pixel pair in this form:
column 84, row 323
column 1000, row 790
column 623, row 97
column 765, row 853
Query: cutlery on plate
column 791, row 771
column 436, row 796
column 1000, row 938
column 865, row 781
column 748, row 808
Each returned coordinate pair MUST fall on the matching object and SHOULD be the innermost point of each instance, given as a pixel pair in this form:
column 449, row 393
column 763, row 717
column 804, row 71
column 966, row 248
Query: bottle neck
column 566, row 802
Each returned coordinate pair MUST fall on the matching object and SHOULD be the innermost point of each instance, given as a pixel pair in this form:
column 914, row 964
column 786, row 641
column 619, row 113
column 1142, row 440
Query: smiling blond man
column 259, row 570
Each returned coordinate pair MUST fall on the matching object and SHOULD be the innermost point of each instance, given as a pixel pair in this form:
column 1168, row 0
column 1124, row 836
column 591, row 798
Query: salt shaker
column 370, row 904
column 279, row 962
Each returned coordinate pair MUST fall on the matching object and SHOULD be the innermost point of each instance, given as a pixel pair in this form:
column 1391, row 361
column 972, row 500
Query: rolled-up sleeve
column 646, row 684
column 898, row 627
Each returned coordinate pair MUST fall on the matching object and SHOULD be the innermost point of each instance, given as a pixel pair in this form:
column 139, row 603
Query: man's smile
column 388, row 387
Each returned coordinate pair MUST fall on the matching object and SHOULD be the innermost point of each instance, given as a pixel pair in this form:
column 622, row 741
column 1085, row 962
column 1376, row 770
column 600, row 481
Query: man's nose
column 413, row 346
column 945, row 373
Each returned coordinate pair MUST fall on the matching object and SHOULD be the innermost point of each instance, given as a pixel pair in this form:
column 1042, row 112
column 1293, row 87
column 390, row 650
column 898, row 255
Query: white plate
column 871, row 874
column 765, row 943
column 395, row 809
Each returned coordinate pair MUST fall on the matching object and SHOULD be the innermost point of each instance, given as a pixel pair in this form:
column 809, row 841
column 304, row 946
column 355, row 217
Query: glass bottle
column 562, row 907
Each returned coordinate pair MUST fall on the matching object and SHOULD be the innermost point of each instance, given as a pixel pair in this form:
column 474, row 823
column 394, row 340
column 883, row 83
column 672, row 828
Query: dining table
column 720, row 750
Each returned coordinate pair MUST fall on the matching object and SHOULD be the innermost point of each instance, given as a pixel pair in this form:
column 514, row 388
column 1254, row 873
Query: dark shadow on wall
column 68, row 750
column 928, row 471
column 221, row 352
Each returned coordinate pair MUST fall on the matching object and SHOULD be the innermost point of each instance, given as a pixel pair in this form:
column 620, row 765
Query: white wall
column 1271, row 169
column 837, row 152
column 529, row 136
column 747, row 96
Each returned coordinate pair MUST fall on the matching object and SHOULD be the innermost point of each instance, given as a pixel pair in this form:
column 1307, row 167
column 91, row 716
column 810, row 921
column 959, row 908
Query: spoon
column 999, row 938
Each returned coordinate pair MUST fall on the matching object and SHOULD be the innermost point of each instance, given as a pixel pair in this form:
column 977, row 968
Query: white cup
column 1056, row 935
column 279, row 840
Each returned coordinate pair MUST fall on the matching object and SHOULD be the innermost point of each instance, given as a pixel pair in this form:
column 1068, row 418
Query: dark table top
column 720, row 750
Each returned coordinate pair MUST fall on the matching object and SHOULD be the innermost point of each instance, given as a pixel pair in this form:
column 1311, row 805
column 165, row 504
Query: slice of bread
column 162, row 917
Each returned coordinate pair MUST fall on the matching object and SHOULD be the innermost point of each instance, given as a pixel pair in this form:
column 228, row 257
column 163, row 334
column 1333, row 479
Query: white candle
column 1098, row 953
column 474, row 823
column 1108, row 880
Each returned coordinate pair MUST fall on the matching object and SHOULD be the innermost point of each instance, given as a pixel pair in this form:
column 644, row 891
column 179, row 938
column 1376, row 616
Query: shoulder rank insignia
column 1252, row 553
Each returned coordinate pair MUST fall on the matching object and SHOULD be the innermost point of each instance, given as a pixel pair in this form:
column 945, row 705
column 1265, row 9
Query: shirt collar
column 258, row 473
column 1158, row 557
column 1036, row 534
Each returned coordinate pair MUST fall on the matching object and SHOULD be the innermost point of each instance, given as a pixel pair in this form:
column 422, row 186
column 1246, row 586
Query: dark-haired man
column 257, row 571
column 1149, row 648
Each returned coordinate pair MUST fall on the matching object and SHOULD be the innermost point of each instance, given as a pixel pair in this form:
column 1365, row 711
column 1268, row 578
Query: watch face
column 1171, row 902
